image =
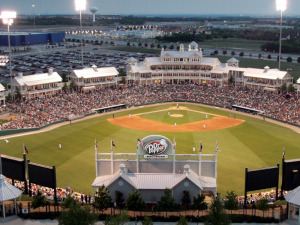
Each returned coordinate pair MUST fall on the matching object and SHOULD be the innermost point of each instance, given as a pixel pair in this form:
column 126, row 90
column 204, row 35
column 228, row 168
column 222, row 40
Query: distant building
column 191, row 67
column 90, row 78
column 26, row 38
column 37, row 85
column 153, row 168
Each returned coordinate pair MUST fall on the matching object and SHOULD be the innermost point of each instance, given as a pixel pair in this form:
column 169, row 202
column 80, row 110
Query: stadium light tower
column 281, row 6
column 8, row 18
column 79, row 6
column 33, row 6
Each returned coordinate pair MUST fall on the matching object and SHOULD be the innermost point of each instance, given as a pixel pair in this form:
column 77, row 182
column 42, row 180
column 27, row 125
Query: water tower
column 93, row 11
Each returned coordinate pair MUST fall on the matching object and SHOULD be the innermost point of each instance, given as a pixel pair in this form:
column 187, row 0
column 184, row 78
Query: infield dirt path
column 138, row 123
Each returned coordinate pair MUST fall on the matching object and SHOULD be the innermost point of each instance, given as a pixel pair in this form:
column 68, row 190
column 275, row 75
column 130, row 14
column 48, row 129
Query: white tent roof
column 96, row 72
column 37, row 79
column 293, row 196
column 8, row 191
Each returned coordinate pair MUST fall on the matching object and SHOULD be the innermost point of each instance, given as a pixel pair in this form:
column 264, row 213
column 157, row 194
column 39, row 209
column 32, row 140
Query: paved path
column 13, row 220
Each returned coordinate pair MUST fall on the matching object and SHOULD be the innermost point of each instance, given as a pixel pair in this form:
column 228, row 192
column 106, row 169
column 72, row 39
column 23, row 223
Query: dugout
column 246, row 109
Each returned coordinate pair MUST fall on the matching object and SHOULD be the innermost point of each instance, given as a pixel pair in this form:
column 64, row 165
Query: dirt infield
column 138, row 123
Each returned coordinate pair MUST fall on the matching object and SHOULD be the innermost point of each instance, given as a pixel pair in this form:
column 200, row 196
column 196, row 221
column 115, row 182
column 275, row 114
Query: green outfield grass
column 253, row 144
column 187, row 116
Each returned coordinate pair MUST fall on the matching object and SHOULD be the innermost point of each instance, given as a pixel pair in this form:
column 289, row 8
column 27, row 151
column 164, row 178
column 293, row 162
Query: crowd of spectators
column 42, row 111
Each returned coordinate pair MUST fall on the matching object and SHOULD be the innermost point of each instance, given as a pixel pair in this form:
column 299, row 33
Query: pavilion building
column 190, row 66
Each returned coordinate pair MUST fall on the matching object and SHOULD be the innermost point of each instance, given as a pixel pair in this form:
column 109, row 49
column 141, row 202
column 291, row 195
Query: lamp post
column 280, row 5
column 79, row 6
column 33, row 6
column 8, row 18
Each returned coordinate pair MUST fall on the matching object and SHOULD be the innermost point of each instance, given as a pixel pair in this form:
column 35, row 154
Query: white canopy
column 294, row 196
column 8, row 191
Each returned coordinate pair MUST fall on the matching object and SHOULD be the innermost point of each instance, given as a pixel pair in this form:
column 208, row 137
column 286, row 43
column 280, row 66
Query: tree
column 182, row 221
column 171, row 47
column 269, row 56
column 18, row 95
column 140, row 44
column 216, row 215
column 259, row 56
column 298, row 60
column 216, row 52
column 39, row 200
column 250, row 55
column 158, row 46
column 146, row 45
column 147, row 221
column 232, row 53
column 241, row 54
column 73, row 85
column 231, row 79
column 8, row 97
column 65, row 87
column 135, row 201
column 199, row 203
column 263, row 205
column 224, row 52
column 186, row 199
column 128, row 44
column 291, row 88
column 122, row 73
column 289, row 59
column 231, row 202
column 119, row 219
column 152, row 45
column 283, row 87
column 167, row 202
column 102, row 199
column 69, row 202
column 119, row 199
column 76, row 215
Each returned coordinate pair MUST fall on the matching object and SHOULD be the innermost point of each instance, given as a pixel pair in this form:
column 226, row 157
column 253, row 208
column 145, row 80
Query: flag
column 140, row 142
column 283, row 154
column 96, row 145
column 26, row 150
column 201, row 147
column 113, row 144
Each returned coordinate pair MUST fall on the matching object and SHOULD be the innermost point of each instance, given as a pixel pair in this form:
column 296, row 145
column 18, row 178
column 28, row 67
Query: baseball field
column 243, row 141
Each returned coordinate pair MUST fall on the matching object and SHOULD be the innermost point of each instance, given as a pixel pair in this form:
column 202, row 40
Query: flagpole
column 111, row 158
column 96, row 157
column 0, row 162
column 174, row 146
column 200, row 152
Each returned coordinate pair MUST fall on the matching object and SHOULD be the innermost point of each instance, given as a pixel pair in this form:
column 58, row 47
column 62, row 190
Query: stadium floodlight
column 79, row 6
column 281, row 6
column 8, row 18
column 33, row 6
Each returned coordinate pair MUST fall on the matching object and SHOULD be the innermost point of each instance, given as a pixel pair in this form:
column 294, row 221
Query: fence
column 274, row 214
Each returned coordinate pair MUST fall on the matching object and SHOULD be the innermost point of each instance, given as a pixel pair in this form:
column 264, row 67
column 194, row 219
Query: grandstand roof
column 158, row 181
column 263, row 73
column 95, row 72
column 178, row 54
column 37, row 79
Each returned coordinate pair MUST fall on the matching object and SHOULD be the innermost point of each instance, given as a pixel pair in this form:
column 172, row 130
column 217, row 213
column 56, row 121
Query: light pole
column 8, row 18
column 79, row 6
column 33, row 6
column 280, row 5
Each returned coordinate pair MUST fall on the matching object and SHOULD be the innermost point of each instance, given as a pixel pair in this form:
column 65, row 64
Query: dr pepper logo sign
column 156, row 147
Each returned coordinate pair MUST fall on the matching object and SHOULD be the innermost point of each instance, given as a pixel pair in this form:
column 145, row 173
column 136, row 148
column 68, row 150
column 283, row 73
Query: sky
column 158, row 7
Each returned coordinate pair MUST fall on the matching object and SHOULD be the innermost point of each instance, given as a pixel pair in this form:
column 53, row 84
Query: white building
column 37, row 85
column 293, row 200
column 91, row 78
column 191, row 67
column 2, row 94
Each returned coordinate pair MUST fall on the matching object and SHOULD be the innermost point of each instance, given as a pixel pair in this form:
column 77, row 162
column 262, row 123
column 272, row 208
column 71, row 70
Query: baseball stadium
column 242, row 141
